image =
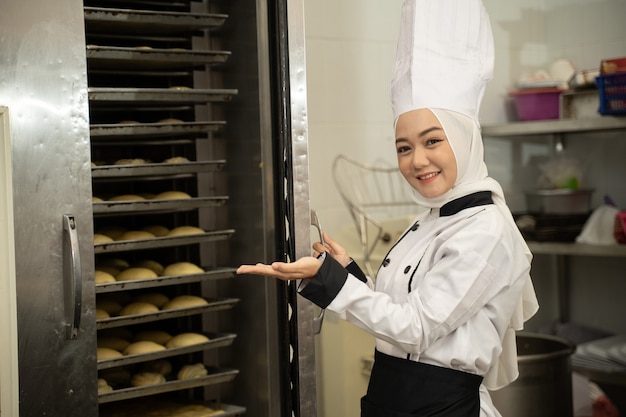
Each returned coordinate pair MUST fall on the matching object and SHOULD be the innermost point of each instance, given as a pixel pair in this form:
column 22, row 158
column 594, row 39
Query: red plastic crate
column 612, row 93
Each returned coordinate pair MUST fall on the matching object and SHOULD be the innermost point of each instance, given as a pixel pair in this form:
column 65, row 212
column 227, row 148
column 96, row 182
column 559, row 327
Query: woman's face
column 425, row 156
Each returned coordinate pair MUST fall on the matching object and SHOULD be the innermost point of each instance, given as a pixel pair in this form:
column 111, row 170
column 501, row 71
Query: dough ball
column 147, row 196
column 156, row 298
column 135, row 273
column 101, row 314
column 103, row 386
column 185, row 301
column 102, row 277
column 95, row 199
column 185, row 230
column 157, row 230
column 136, row 235
column 107, row 353
column 197, row 370
column 146, row 378
column 186, row 339
column 99, row 238
column 176, row 160
column 180, row 87
column 126, row 197
column 132, row 161
column 142, row 347
column 157, row 336
column 138, row 308
column 114, row 262
column 160, row 366
column 111, row 270
column 112, row 231
column 182, row 268
column 152, row 265
column 112, row 307
column 113, row 342
column 172, row 195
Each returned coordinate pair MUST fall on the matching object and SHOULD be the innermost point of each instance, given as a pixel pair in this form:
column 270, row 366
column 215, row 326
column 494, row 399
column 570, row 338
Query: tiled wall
column 350, row 50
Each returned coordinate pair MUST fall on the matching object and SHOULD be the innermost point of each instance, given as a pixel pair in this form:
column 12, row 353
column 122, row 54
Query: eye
column 402, row 149
column 433, row 141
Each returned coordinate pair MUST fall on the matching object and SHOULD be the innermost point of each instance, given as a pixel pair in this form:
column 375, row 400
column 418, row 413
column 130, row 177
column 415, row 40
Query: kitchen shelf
column 118, row 57
column 155, row 169
column 216, row 340
column 162, row 242
column 548, row 127
column 157, row 96
column 154, row 406
column 142, row 22
column 153, row 206
column 577, row 249
column 213, row 305
column 163, row 281
column 150, row 130
column 215, row 376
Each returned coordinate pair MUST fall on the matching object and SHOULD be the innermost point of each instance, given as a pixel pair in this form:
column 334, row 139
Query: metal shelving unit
column 557, row 129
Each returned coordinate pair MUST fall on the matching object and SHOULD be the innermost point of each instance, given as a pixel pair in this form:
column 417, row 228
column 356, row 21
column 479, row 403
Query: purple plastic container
column 537, row 104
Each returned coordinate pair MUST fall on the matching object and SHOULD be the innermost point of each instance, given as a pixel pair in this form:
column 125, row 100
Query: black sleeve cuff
column 355, row 270
column 324, row 287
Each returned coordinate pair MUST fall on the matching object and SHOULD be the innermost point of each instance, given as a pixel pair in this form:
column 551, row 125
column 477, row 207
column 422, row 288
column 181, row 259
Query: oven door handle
column 317, row 322
column 72, row 276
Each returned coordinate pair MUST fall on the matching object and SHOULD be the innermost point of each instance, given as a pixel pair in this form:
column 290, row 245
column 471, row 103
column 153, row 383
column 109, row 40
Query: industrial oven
column 156, row 145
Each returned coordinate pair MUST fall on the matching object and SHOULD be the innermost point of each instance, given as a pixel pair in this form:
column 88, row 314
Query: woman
column 447, row 292
column 453, row 289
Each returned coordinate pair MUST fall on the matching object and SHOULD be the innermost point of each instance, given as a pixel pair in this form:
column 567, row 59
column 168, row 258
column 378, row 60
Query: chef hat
column 444, row 57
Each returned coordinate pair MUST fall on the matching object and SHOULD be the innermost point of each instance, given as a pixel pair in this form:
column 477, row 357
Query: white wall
column 350, row 51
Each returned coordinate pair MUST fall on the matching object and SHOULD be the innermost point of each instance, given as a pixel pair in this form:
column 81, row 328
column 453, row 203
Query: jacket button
column 407, row 269
column 386, row 262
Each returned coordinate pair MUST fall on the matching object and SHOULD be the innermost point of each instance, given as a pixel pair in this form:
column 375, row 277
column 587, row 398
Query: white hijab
column 464, row 136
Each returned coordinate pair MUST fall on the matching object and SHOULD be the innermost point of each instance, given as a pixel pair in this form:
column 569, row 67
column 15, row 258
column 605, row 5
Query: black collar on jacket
column 480, row 198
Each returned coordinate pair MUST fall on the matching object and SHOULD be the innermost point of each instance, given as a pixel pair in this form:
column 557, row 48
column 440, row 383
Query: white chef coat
column 445, row 292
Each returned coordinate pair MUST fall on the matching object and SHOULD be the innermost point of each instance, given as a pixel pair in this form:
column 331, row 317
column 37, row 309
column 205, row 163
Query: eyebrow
column 422, row 133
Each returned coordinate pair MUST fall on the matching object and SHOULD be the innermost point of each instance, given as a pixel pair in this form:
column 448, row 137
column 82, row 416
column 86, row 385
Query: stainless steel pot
column 544, row 385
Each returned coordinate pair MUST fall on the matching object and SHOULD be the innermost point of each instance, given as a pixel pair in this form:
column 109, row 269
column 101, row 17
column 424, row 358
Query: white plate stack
column 607, row 354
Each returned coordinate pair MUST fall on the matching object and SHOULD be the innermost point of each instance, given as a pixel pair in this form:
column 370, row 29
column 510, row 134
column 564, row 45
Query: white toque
column 444, row 57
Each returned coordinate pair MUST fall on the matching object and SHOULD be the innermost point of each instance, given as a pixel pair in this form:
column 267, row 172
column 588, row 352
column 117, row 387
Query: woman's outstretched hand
column 303, row 268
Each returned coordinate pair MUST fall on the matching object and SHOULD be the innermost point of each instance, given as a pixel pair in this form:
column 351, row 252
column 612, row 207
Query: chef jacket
column 444, row 294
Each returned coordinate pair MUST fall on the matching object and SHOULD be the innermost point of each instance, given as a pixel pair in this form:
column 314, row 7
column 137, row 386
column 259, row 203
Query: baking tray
column 118, row 57
column 216, row 376
column 210, row 273
column 157, row 96
column 155, row 169
column 152, row 206
column 138, row 130
column 162, row 242
column 136, row 409
column 112, row 20
column 216, row 340
column 215, row 304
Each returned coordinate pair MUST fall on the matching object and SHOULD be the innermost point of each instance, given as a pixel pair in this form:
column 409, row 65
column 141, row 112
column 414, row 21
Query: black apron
column 404, row 388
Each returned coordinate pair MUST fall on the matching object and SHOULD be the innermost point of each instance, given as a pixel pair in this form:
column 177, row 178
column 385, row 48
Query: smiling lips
column 428, row 177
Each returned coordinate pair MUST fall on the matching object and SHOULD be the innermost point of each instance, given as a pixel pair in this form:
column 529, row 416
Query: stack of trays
column 607, row 354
